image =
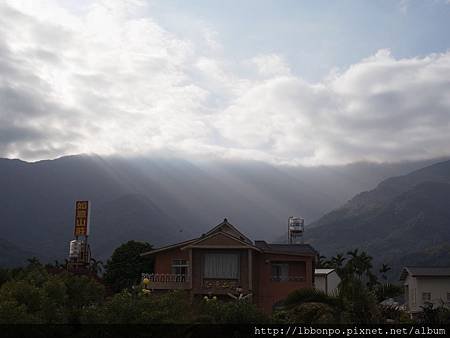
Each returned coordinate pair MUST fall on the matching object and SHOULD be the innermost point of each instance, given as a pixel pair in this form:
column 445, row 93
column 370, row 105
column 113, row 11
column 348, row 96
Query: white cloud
column 271, row 65
column 380, row 109
column 106, row 78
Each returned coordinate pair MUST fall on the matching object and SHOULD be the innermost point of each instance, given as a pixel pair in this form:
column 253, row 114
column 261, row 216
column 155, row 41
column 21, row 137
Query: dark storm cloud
column 19, row 103
column 12, row 134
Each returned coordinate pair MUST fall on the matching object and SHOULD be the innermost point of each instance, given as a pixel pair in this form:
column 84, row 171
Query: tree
column 322, row 262
column 126, row 265
column 11, row 312
column 359, row 290
column 383, row 270
column 128, row 307
column 338, row 261
column 5, row 275
column 33, row 295
column 96, row 267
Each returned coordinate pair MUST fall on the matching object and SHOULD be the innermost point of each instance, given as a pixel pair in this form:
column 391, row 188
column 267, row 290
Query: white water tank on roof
column 296, row 224
column 75, row 248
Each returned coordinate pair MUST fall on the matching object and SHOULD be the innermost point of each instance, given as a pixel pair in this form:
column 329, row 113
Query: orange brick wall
column 265, row 291
column 270, row 292
column 163, row 260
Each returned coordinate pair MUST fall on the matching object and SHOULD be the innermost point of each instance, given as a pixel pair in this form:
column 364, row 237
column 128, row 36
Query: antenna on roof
column 296, row 228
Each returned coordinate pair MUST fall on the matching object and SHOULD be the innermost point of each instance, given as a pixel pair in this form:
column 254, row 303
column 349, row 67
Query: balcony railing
column 167, row 281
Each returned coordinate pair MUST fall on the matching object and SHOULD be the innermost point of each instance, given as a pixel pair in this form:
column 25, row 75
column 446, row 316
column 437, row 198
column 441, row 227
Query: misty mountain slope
column 403, row 218
column 38, row 208
column 11, row 255
column 256, row 196
column 131, row 217
column 163, row 200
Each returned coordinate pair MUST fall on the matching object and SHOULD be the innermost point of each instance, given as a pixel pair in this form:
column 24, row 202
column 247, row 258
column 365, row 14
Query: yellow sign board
column 82, row 218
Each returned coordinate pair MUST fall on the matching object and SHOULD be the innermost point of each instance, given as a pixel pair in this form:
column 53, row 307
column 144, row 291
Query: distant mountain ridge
column 162, row 200
column 11, row 255
column 404, row 220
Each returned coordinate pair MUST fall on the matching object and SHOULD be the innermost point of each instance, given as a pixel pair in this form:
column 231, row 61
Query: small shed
column 326, row 280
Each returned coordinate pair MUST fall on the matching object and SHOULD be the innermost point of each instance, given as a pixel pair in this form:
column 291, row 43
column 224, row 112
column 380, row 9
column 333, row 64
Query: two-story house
column 424, row 285
column 224, row 263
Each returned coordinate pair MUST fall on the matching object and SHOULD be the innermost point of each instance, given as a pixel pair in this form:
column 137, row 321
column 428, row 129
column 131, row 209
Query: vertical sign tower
column 80, row 253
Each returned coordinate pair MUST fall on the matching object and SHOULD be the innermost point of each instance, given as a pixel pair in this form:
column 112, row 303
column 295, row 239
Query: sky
column 284, row 82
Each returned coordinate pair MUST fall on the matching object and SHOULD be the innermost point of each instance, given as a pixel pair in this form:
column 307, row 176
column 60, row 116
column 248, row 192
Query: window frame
column 279, row 277
column 177, row 264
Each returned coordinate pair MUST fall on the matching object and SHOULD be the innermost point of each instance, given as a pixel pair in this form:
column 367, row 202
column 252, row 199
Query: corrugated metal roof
column 323, row 271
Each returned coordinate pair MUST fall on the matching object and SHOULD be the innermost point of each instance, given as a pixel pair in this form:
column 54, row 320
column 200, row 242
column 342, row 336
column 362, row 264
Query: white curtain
column 221, row 265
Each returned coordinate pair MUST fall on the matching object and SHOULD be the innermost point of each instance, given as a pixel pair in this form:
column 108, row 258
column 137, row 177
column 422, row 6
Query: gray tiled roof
column 286, row 248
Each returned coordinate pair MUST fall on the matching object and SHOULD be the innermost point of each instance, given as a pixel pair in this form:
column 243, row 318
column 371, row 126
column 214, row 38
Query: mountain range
column 405, row 220
column 165, row 200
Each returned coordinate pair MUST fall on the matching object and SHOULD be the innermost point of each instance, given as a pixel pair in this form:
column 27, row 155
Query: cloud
column 271, row 65
column 380, row 109
column 107, row 78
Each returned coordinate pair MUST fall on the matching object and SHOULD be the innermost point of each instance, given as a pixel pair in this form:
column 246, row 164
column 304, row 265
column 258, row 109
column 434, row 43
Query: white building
column 326, row 280
column 425, row 285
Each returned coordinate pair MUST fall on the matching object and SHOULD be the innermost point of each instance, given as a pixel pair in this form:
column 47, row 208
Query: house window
column 280, row 272
column 426, row 296
column 179, row 267
column 221, row 265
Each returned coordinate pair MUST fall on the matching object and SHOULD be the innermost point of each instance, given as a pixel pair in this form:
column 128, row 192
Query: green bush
column 229, row 312
column 134, row 307
column 31, row 295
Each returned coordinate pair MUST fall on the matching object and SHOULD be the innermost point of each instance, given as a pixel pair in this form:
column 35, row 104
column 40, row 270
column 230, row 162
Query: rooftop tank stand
column 296, row 229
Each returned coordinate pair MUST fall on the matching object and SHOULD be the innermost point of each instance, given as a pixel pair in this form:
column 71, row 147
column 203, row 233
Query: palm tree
column 353, row 253
column 322, row 262
column 337, row 263
column 338, row 260
column 360, row 264
column 383, row 270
